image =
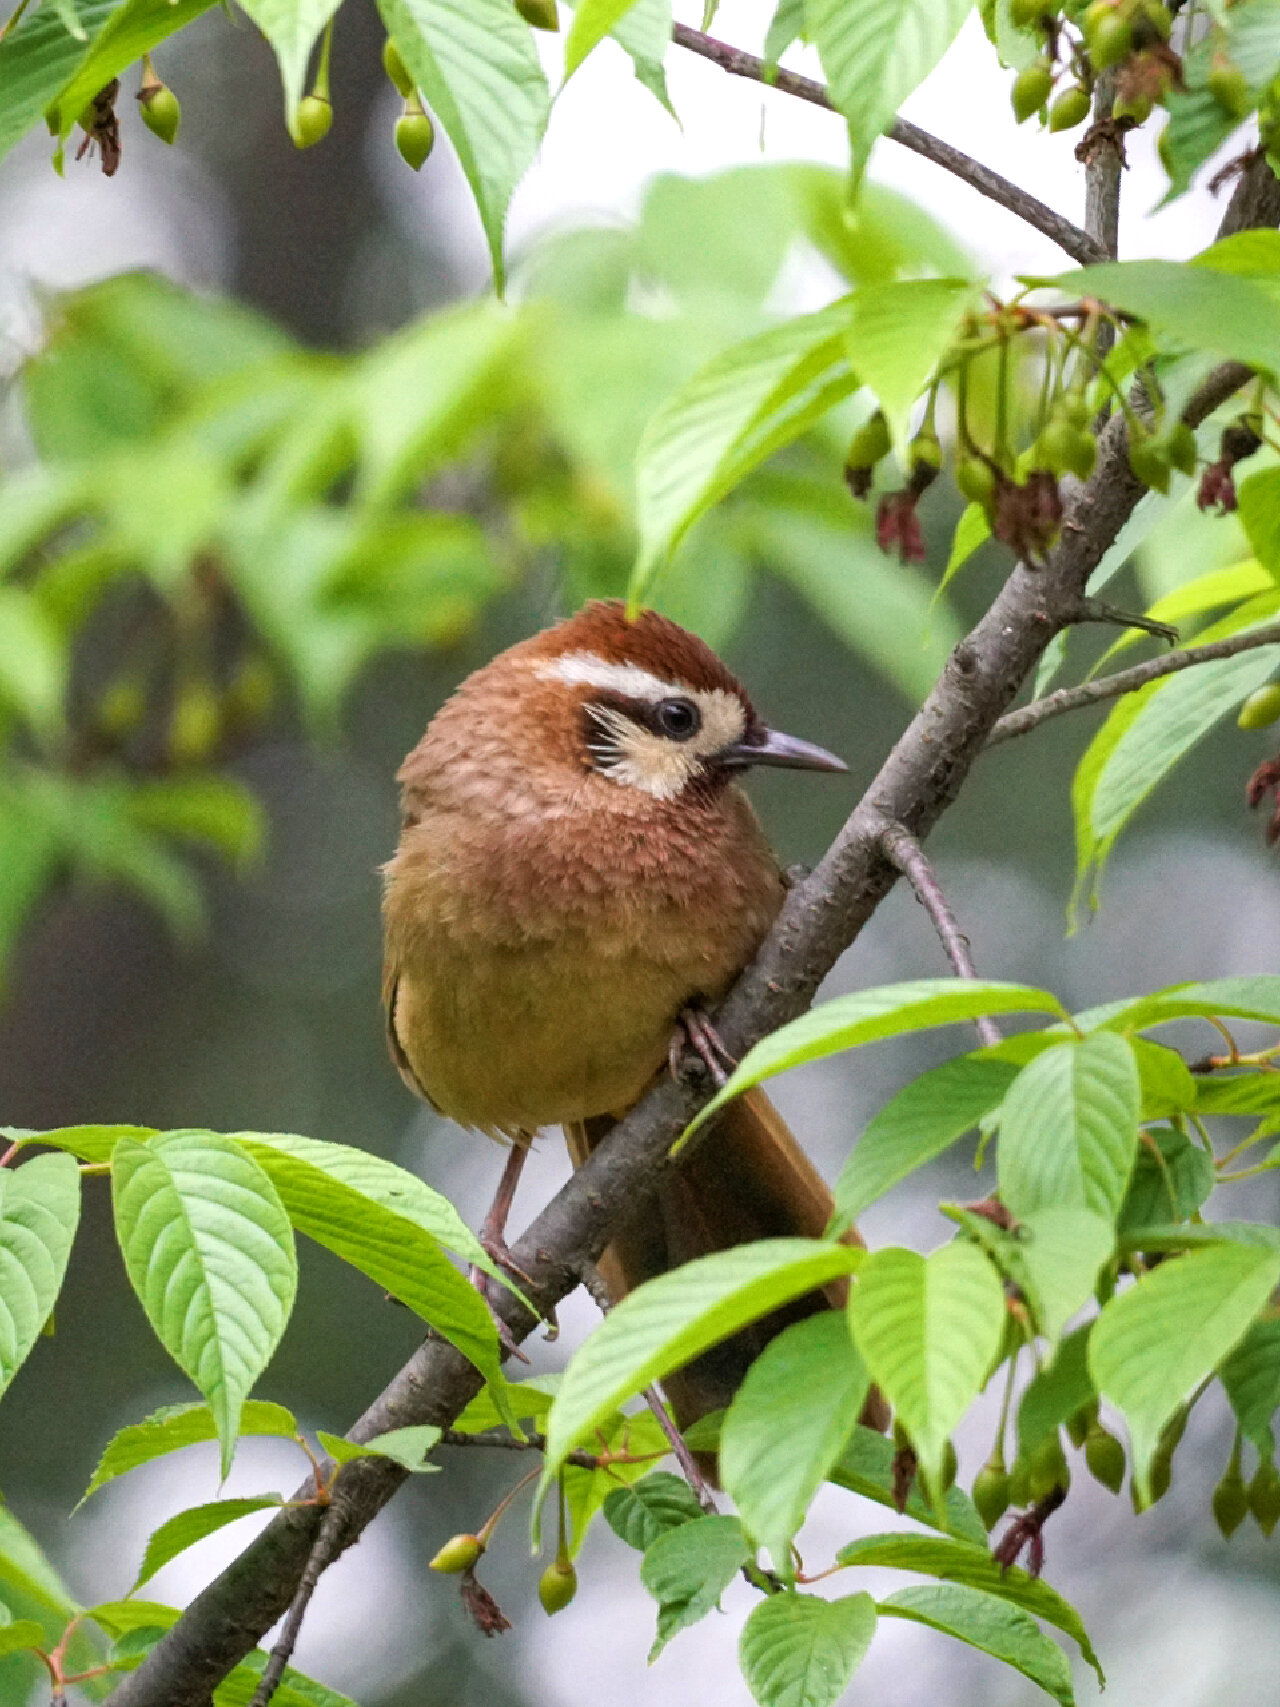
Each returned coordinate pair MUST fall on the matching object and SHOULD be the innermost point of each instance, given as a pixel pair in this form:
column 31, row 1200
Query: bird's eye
column 679, row 719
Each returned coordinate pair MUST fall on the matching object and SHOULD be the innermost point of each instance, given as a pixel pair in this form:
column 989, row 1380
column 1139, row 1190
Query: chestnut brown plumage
column 577, row 868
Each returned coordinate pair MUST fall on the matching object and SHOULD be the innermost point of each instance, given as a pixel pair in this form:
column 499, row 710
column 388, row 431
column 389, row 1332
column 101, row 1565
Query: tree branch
column 1030, row 717
column 738, row 63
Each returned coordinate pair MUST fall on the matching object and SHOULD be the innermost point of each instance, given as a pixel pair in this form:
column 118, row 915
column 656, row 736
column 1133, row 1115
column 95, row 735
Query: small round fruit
column 870, row 443
column 950, row 1465
column 1070, row 108
column 1048, row 1468
column 975, row 480
column 415, row 138
column 991, row 1493
column 315, row 116
column 458, row 1554
column 1149, row 462
column 557, row 1586
column 1230, row 1502
column 1031, row 89
column 1137, row 107
column 1055, row 446
column 1264, row 1498
column 541, row 14
column 1029, row 14
column 1154, row 21
column 1261, row 709
column 1084, row 453
column 1180, row 445
column 195, row 725
column 924, row 451
column 396, row 69
column 1104, row 1456
column 1229, row 88
column 1107, row 35
column 161, row 113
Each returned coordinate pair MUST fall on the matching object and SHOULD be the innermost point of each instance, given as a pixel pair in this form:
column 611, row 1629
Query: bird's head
column 646, row 705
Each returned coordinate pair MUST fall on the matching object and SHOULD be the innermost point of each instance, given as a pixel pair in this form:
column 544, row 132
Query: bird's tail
column 748, row 1179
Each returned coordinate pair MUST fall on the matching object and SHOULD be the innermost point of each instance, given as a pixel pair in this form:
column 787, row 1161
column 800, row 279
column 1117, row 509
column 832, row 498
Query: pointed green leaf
column 959, row 1562
column 1251, row 1378
column 1154, row 1343
column 799, row 1651
column 188, row 1527
column 667, row 1321
column 897, row 333
column 1259, row 500
column 658, row 1502
column 918, row 1124
column 1054, row 1259
column 175, row 1426
column 476, row 63
column 687, row 1569
column 1172, row 1179
column 788, row 1424
column 1069, row 1128
column 407, row 1447
column 866, row 1467
column 29, row 1584
column 928, row 1329
column 1168, row 1086
column 376, row 1236
column 33, row 662
column 593, row 20
column 877, row 52
column 39, row 1213
column 19, row 1635
column 586, row 1491
column 747, row 402
column 1005, row 1632
column 215, row 810
column 209, row 1250
column 1218, row 998
column 869, row 1015
column 292, row 27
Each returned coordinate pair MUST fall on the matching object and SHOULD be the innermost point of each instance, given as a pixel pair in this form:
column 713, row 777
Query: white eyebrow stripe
column 588, row 670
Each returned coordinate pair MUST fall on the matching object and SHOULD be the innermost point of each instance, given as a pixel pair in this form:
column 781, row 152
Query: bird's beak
column 788, row 751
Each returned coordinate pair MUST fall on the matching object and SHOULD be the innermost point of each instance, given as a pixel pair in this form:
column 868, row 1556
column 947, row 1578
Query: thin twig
column 738, row 63
column 1099, row 610
column 536, row 1442
column 329, row 1542
column 1029, row 717
column 680, row 1450
column 909, row 857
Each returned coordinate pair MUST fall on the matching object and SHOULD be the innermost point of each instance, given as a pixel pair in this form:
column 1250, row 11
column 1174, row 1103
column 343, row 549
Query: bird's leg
column 696, row 1030
column 493, row 1241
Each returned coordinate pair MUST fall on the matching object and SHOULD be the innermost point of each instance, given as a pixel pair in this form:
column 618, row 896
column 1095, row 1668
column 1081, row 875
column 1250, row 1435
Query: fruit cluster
column 1080, row 41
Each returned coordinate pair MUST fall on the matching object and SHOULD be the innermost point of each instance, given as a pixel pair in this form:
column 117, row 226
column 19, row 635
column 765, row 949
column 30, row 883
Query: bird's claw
column 1263, row 781
column 695, row 1030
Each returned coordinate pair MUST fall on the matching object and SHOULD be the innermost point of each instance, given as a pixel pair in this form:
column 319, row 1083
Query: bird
column 578, row 881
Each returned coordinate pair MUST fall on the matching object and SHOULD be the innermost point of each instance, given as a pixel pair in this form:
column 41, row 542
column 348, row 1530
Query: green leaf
column 877, row 52
column 1069, row 1128
column 19, row 1635
column 39, row 1213
column 586, row 1490
column 1154, row 1343
column 668, row 1321
column 292, row 27
column 866, row 1467
column 786, row 25
column 928, row 1329
column 1255, row 998
column 959, row 1562
column 476, row 63
column 209, row 1250
column 972, row 530
column 407, row 1447
column 1196, row 307
column 382, row 1182
column 592, row 22
column 527, row 1401
column 1251, row 1377
column 649, row 1508
column 33, row 662
column 644, row 35
column 1259, row 500
column 869, row 1015
column 799, row 1651
column 188, row 1527
column 1053, row 1258
column 919, row 1123
column 1173, row 1177
column 175, row 1426
column 897, row 333
column 1168, row 1086
column 788, row 1424
column 983, row 1621
column 687, row 1569
column 37, row 56
column 747, row 402
column 371, row 1233
column 31, row 1587
column 89, row 1143
column 131, row 30
column 215, row 810
column 1056, row 1391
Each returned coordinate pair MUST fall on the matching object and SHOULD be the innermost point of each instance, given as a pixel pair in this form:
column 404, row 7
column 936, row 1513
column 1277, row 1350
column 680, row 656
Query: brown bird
column 578, row 876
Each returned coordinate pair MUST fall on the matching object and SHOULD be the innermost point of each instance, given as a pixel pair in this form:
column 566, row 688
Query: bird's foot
column 482, row 1281
column 1263, row 781
column 695, row 1030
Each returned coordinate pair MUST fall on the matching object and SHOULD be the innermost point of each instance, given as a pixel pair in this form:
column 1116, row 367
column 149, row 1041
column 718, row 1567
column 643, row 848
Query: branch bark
column 738, row 63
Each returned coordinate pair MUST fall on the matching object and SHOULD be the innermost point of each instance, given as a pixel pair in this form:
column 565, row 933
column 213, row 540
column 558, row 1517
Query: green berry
column 975, row 479
column 1137, row 107
column 991, row 1491
column 195, row 725
column 870, row 442
column 1154, row 22
column 1261, row 709
column 1055, row 446
column 541, row 14
column 415, row 137
column 122, row 708
column 1029, row 14
column 1047, row 1468
column 315, row 116
column 458, row 1554
column 1230, row 1502
column 1229, row 88
column 1181, row 448
column 924, row 451
column 1075, row 406
column 1264, row 1497
column 1084, row 453
column 1031, row 88
column 557, row 1586
column 1107, row 35
column 1070, row 108
column 1148, row 460
column 1078, row 1426
column 396, row 69
column 161, row 111
column 950, row 1466
column 1104, row 1456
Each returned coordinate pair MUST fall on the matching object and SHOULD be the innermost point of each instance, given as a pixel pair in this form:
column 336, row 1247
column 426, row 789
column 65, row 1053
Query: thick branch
column 1030, row 717
column 738, row 63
